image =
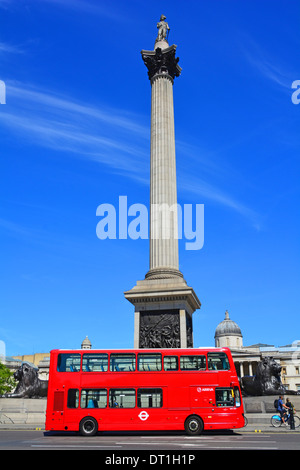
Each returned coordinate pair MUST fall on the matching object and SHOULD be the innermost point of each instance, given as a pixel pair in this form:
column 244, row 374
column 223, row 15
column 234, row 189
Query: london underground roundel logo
column 143, row 415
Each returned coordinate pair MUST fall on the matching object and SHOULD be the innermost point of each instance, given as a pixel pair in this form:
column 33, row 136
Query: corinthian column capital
column 162, row 61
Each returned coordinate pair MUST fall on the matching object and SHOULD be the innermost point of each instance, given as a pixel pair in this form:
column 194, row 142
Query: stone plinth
column 265, row 404
column 14, row 411
column 163, row 313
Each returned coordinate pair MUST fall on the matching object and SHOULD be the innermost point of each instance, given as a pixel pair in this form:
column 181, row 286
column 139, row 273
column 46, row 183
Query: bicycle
column 276, row 420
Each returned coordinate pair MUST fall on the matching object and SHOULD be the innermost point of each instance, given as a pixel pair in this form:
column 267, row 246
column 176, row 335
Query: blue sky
column 75, row 133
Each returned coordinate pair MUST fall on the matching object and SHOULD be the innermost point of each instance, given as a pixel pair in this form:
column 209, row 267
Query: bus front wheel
column 193, row 425
column 88, row 426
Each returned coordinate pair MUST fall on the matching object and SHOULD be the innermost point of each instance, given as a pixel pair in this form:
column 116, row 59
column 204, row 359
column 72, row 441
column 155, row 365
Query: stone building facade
column 246, row 358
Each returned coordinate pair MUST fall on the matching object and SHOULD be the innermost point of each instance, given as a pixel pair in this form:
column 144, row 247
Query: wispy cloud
column 13, row 228
column 266, row 64
column 110, row 136
column 218, row 175
column 60, row 104
column 5, row 3
column 271, row 71
column 10, row 49
column 95, row 8
column 206, row 191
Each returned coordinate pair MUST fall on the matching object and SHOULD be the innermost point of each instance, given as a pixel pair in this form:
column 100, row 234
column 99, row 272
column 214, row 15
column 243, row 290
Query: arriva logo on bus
column 206, row 389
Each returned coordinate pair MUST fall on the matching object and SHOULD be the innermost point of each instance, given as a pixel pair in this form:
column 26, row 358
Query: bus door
column 71, row 406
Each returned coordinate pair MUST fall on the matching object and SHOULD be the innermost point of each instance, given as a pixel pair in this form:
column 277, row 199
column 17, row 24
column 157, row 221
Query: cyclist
column 281, row 408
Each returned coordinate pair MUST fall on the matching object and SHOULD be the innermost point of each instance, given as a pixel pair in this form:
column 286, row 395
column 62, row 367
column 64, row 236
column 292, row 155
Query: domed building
column 228, row 334
column 86, row 344
column 246, row 358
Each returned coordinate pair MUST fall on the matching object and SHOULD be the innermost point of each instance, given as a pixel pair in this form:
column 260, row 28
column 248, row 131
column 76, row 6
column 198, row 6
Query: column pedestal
column 163, row 313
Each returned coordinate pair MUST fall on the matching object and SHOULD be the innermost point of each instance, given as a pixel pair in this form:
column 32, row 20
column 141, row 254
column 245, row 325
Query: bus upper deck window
column 149, row 362
column 95, row 362
column 217, row 361
column 68, row 362
column 170, row 363
column 122, row 362
column 196, row 362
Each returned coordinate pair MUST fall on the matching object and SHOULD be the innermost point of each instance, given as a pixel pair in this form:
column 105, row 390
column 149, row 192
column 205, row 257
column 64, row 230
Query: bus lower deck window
column 122, row 398
column 149, row 398
column 93, row 398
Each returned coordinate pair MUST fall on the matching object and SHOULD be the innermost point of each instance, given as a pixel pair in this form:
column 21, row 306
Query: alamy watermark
column 2, row 92
column 296, row 95
column 167, row 222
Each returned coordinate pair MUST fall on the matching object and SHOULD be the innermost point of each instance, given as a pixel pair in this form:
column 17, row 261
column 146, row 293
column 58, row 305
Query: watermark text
column 296, row 94
column 167, row 222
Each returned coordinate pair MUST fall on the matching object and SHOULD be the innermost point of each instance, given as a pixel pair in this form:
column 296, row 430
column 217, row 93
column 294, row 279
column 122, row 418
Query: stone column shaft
column 163, row 189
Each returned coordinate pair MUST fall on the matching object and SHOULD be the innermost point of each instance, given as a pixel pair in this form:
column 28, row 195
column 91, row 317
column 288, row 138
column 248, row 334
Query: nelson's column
column 163, row 301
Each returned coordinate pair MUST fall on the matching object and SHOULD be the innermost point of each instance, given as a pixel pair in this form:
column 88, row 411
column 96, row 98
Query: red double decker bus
column 156, row 389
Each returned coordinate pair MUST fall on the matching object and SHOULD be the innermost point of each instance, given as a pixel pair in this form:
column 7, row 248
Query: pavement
column 257, row 423
column 261, row 422
column 263, row 428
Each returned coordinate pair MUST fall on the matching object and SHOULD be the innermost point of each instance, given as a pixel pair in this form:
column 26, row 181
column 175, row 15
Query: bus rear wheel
column 88, row 426
column 193, row 425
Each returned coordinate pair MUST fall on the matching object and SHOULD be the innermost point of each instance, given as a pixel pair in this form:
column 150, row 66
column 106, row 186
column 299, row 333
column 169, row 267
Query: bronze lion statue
column 29, row 386
column 267, row 380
